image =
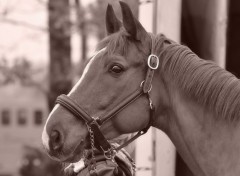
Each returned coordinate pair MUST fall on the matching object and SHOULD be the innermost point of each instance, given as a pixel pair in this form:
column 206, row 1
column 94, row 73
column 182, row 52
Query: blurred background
column 43, row 48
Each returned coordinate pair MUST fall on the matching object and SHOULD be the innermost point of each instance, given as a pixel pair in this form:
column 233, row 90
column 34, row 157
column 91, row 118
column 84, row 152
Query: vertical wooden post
column 167, row 20
column 220, row 31
column 166, row 16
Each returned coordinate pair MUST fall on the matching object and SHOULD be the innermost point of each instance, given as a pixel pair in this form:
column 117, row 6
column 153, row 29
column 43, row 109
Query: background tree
column 21, row 71
column 60, row 49
column 37, row 163
column 81, row 24
column 6, row 75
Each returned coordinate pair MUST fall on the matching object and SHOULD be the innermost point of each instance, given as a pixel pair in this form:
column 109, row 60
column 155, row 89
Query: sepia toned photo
column 119, row 87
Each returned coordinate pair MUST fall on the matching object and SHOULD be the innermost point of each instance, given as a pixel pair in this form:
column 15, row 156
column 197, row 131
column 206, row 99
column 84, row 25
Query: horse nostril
column 56, row 140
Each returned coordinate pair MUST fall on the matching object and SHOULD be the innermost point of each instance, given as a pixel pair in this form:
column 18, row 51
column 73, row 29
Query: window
column 5, row 117
column 22, row 117
column 38, row 117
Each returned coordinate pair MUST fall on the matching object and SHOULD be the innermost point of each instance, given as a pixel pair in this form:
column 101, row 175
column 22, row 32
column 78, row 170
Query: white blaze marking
column 85, row 71
column 45, row 137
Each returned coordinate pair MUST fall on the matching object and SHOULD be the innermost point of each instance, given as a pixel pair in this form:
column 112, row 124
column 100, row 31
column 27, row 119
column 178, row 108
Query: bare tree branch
column 7, row 7
column 42, row 2
column 23, row 24
column 145, row 1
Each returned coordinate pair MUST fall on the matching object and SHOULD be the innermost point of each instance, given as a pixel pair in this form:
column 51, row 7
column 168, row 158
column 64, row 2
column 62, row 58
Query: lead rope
column 93, row 165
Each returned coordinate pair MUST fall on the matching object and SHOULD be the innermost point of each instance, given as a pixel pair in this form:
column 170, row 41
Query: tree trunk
column 82, row 29
column 60, row 49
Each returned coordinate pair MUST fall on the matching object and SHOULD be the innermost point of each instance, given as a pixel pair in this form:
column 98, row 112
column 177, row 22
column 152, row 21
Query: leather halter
column 94, row 124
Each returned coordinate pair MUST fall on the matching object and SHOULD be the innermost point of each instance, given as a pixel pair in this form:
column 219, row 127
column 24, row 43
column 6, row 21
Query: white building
column 22, row 109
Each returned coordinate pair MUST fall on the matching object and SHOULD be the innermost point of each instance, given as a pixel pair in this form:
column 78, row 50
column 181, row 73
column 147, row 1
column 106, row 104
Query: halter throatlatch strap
column 139, row 133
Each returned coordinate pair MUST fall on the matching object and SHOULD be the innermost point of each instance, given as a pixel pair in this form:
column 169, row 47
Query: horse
column 134, row 73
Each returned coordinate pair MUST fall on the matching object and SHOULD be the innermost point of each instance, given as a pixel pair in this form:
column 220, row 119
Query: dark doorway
column 233, row 38
column 194, row 26
column 197, row 29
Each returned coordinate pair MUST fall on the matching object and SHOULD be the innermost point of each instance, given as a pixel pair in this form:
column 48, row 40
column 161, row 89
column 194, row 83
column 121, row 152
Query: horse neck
column 209, row 146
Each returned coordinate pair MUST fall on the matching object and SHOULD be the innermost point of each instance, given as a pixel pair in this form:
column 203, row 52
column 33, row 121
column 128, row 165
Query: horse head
column 116, row 70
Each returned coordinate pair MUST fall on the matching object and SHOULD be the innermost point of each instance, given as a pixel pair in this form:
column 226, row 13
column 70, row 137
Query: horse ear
column 112, row 23
column 131, row 24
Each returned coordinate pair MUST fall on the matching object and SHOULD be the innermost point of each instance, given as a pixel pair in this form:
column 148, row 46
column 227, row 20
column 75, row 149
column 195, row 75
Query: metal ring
column 150, row 102
column 150, row 88
column 141, row 85
column 149, row 61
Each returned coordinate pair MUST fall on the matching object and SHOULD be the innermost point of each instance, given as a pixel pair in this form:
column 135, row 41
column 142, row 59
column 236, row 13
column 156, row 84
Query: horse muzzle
column 54, row 145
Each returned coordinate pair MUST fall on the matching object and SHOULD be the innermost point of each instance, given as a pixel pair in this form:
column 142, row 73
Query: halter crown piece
column 94, row 124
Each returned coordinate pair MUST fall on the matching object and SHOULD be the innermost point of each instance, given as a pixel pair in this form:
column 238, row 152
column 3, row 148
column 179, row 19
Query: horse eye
column 116, row 69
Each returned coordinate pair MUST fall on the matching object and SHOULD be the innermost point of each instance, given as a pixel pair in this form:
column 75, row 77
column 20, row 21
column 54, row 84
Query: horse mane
column 204, row 81
column 210, row 85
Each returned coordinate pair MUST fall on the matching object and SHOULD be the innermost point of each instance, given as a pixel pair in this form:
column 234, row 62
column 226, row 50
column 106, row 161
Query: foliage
column 19, row 71
column 5, row 73
column 36, row 163
column 22, row 69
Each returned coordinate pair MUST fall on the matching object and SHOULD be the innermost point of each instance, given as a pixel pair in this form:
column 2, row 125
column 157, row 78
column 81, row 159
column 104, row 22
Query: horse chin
column 69, row 156
column 73, row 158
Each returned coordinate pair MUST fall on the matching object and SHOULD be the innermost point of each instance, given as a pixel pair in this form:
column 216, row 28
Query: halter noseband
column 94, row 124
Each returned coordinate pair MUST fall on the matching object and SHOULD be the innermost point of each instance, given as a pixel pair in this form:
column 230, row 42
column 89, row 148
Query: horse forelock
column 115, row 43
column 204, row 81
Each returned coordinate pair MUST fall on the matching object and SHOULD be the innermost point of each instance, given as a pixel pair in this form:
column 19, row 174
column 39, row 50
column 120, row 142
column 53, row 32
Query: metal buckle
column 156, row 61
column 141, row 85
column 109, row 154
column 97, row 121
